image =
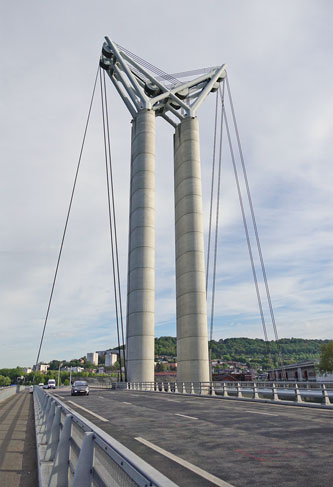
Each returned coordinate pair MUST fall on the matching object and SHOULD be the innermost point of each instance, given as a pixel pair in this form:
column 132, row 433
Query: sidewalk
column 18, row 463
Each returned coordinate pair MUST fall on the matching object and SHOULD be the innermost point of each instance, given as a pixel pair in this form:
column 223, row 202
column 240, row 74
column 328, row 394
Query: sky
column 279, row 62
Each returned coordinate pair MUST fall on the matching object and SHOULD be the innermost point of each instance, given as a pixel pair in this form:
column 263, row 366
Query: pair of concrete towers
column 147, row 97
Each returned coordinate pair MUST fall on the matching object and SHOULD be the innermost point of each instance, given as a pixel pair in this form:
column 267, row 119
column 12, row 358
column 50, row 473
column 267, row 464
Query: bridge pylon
column 146, row 96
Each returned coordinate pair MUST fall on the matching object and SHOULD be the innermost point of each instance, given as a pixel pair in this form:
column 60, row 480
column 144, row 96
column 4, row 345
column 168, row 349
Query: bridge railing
column 291, row 392
column 74, row 452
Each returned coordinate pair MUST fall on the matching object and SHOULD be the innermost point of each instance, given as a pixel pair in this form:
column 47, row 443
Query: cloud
column 280, row 70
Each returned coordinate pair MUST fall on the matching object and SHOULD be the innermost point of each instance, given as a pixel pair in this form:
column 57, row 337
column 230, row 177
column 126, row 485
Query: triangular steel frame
column 140, row 90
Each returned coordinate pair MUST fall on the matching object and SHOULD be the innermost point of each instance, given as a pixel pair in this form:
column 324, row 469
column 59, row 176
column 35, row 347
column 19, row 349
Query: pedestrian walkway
column 18, row 463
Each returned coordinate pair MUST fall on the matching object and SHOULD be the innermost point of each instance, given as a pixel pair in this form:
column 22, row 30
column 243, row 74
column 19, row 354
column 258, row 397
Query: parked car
column 31, row 389
column 41, row 385
column 80, row 387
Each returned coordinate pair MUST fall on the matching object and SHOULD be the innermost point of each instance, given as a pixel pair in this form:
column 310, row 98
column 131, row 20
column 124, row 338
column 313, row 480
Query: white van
column 51, row 384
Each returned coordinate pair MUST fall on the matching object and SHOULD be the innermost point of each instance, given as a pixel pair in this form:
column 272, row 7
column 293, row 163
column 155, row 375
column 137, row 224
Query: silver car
column 80, row 387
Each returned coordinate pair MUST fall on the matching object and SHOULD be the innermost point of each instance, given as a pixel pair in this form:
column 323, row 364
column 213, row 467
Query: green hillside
column 252, row 351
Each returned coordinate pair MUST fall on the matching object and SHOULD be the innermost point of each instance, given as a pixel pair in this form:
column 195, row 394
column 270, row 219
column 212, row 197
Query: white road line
column 185, row 416
column 124, row 402
column 206, row 475
column 88, row 411
column 259, row 412
column 171, row 400
column 101, row 397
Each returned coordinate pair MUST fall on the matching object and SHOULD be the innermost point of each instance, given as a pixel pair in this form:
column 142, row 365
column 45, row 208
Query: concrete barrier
column 9, row 391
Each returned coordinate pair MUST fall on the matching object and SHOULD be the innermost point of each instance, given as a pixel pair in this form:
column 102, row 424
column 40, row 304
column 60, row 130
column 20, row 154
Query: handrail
column 73, row 451
column 284, row 393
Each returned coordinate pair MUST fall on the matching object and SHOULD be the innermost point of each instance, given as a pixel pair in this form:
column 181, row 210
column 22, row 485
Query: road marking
column 88, row 411
column 259, row 412
column 206, row 475
column 124, row 402
column 185, row 416
column 171, row 400
column 101, row 397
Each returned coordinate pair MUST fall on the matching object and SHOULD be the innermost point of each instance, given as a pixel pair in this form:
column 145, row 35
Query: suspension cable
column 110, row 213
column 217, row 217
column 212, row 191
column 114, row 229
column 254, row 223
column 67, row 219
column 247, row 237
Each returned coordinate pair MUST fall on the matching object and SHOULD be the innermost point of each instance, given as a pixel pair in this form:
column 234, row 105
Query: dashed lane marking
column 199, row 471
column 124, row 402
column 90, row 412
column 185, row 416
column 259, row 412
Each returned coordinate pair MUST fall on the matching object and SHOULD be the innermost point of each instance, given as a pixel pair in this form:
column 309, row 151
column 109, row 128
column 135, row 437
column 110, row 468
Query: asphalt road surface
column 207, row 442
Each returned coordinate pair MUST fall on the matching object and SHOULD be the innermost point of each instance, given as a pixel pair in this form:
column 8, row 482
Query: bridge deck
column 18, row 464
column 239, row 443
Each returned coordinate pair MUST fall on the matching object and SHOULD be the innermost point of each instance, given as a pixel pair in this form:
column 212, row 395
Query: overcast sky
column 279, row 57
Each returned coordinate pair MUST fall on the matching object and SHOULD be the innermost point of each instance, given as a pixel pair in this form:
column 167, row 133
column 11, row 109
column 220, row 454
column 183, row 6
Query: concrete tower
column 146, row 97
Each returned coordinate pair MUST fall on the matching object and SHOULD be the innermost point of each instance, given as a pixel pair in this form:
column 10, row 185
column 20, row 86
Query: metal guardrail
column 9, row 391
column 73, row 452
column 292, row 393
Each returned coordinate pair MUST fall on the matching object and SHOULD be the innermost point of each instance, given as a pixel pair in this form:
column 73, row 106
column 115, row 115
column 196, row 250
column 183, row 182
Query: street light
column 59, row 374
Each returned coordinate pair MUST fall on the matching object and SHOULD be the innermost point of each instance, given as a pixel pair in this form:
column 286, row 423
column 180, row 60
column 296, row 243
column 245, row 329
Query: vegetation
column 4, row 381
column 252, row 352
column 326, row 357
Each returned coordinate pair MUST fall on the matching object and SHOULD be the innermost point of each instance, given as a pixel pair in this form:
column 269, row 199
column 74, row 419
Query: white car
column 31, row 389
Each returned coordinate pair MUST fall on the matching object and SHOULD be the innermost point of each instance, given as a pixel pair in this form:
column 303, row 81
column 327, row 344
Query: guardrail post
column 168, row 387
column 274, row 392
column 54, row 436
column 239, row 392
column 255, row 391
column 212, row 390
column 298, row 397
column 83, row 470
column 46, row 428
column 326, row 400
column 59, row 474
column 224, row 390
column 192, row 388
column 176, row 388
column 44, row 415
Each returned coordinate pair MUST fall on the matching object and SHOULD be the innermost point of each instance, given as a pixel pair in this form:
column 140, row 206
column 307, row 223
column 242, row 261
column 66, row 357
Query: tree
column 326, row 357
column 4, row 381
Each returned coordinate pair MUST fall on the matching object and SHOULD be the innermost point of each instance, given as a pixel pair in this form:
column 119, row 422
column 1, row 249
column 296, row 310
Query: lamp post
column 59, row 374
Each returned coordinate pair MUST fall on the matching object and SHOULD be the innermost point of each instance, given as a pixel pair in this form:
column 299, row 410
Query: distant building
column 41, row 368
column 93, row 358
column 27, row 370
column 110, row 359
column 301, row 371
